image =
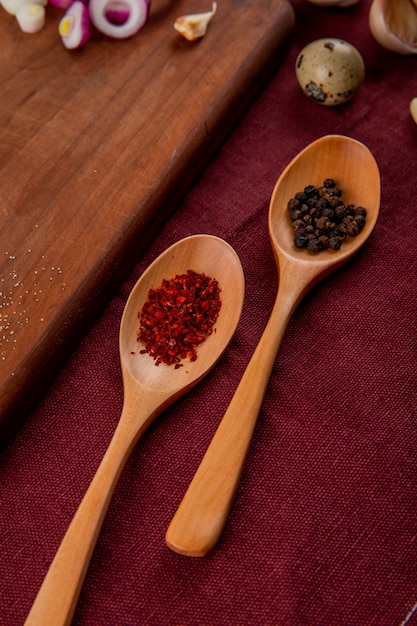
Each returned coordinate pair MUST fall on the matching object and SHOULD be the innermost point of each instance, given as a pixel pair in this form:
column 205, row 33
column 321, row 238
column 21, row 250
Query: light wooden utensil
column 200, row 518
column 148, row 390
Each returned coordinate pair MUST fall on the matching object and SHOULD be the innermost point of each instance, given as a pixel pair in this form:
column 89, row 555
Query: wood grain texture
column 97, row 146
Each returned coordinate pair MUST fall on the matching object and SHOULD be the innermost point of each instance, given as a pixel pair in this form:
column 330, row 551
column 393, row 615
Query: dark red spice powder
column 178, row 316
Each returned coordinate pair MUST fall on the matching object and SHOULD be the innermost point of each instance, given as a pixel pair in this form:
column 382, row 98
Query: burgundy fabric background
column 324, row 528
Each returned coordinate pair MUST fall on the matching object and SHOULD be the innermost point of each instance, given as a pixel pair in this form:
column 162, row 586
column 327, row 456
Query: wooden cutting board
column 97, row 147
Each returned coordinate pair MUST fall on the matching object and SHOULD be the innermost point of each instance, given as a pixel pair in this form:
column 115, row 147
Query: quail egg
column 330, row 71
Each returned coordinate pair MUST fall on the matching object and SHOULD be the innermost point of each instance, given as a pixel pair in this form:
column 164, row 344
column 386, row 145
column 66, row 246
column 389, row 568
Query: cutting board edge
column 26, row 387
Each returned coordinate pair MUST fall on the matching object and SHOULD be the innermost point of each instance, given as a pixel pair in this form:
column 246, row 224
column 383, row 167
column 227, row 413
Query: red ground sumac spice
column 178, row 316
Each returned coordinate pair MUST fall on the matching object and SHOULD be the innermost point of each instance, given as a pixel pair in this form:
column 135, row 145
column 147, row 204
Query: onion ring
column 137, row 14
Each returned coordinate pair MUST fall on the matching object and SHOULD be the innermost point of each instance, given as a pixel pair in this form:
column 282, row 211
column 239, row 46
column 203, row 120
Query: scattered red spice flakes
column 179, row 316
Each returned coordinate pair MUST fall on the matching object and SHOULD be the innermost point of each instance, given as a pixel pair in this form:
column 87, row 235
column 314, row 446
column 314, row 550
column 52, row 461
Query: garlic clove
column 12, row 6
column 393, row 23
column 194, row 26
column 31, row 17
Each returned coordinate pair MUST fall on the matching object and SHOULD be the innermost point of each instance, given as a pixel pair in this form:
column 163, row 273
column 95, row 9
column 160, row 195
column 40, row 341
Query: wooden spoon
column 199, row 520
column 148, row 390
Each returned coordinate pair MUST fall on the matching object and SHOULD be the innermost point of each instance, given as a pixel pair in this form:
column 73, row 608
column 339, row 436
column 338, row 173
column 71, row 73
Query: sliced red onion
column 117, row 12
column 103, row 16
column 74, row 27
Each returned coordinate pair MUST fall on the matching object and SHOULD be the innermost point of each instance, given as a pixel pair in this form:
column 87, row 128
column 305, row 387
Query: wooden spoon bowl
column 200, row 517
column 203, row 254
column 355, row 171
column 148, row 390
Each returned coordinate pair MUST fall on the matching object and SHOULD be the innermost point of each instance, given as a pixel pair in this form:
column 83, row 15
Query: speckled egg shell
column 330, row 71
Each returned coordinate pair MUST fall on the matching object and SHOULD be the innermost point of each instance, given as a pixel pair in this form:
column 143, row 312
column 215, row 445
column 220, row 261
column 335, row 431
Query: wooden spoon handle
column 57, row 598
column 200, row 518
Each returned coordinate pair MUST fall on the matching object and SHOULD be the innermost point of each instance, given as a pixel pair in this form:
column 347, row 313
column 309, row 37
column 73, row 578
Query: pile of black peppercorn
column 321, row 219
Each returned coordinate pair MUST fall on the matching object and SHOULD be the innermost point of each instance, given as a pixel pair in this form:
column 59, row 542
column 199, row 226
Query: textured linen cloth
column 323, row 530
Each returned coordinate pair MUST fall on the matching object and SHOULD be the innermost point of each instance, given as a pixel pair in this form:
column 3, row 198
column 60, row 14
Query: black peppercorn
column 314, row 245
column 293, row 204
column 301, row 241
column 324, row 240
column 360, row 210
column 320, row 218
column 328, row 212
column 360, row 220
column 295, row 215
column 321, row 203
column 340, row 211
column 352, row 229
column 335, row 201
column 300, row 196
column 335, row 243
column 321, row 223
column 299, row 224
column 310, row 190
